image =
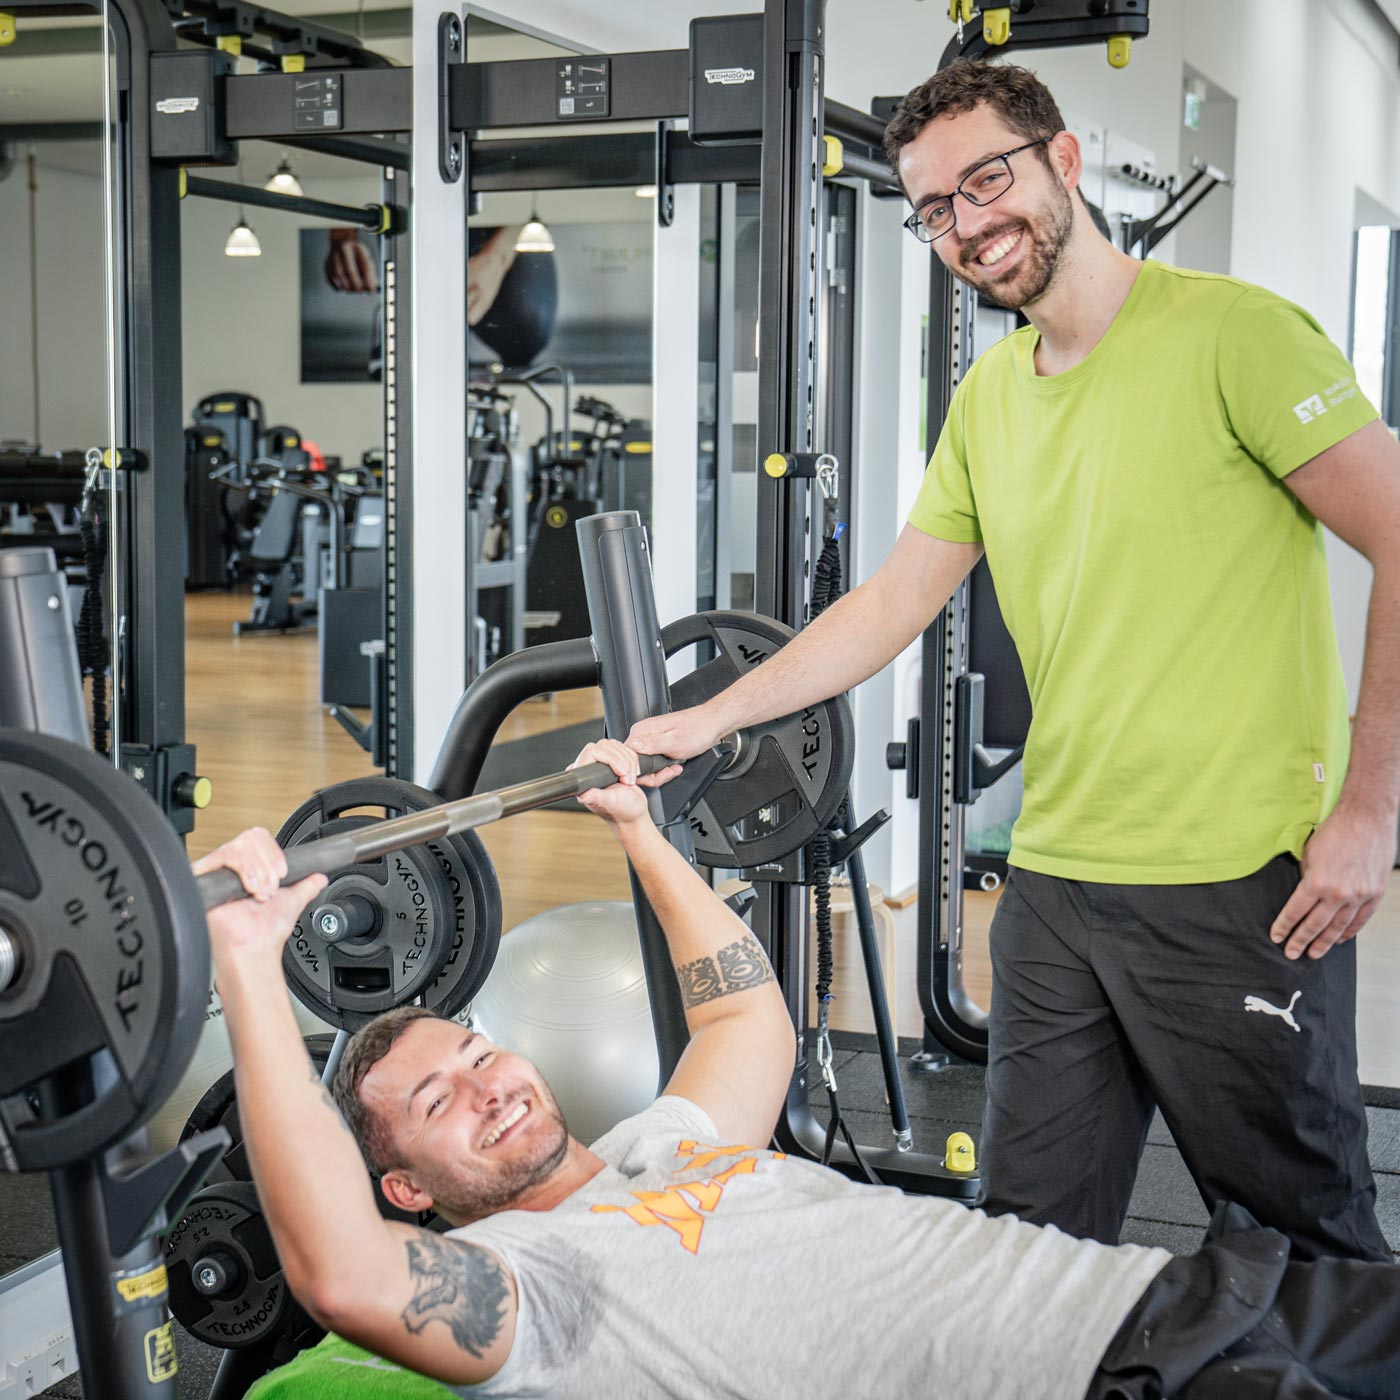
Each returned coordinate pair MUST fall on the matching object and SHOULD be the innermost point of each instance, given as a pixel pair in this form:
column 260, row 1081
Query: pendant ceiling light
column 242, row 242
column 534, row 237
column 282, row 181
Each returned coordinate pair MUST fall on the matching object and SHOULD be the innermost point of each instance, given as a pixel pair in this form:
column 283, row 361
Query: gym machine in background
column 498, row 495
column 183, row 107
column 157, row 50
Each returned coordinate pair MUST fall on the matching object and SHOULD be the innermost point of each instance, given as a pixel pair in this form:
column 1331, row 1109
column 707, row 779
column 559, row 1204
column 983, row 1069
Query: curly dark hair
column 1015, row 94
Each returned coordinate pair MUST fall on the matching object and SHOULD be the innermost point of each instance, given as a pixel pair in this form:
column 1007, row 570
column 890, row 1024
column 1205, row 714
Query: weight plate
column 442, row 948
column 96, row 893
column 218, row 1108
column 226, row 1282
column 349, row 982
column 790, row 775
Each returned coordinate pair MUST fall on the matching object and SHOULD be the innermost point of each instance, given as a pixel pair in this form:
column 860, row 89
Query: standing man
column 1146, row 465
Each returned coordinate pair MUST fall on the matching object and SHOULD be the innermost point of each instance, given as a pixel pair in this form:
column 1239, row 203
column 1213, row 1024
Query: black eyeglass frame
column 915, row 224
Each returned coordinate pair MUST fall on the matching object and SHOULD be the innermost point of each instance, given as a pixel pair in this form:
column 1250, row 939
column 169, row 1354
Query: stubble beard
column 1047, row 238
column 471, row 1192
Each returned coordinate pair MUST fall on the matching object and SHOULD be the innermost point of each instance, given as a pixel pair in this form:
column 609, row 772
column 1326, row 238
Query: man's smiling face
column 475, row 1126
column 1009, row 249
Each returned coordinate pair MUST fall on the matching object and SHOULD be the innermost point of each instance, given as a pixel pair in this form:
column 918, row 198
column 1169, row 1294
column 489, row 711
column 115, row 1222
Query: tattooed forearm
column 458, row 1284
column 733, row 969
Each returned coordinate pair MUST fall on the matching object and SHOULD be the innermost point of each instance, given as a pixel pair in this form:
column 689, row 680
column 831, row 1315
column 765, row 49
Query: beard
column 465, row 1192
column 1043, row 245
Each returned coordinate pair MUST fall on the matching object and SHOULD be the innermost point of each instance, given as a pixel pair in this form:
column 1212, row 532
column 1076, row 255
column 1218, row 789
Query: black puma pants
column 1242, row 1320
column 1110, row 999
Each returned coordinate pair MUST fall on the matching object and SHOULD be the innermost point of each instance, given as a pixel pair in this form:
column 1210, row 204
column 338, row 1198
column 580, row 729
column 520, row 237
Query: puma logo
column 1286, row 1012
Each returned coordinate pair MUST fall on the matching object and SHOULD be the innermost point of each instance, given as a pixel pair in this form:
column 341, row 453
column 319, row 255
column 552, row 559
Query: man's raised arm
column 740, row 1057
column 847, row 644
column 379, row 1284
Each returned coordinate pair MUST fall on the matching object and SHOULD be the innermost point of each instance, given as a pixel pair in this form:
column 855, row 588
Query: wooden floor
column 266, row 744
column 261, row 736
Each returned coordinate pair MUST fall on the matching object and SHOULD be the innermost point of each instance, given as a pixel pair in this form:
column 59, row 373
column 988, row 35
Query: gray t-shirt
column 690, row 1267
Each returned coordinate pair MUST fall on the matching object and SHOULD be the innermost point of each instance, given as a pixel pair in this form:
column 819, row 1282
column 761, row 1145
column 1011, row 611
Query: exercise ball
column 568, row 992
column 212, row 1058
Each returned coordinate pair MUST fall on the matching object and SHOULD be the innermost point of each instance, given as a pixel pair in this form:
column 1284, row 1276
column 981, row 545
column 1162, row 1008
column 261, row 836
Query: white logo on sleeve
column 1315, row 405
column 1284, row 1012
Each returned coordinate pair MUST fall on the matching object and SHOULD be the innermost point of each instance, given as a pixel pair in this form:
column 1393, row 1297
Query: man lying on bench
column 677, row 1255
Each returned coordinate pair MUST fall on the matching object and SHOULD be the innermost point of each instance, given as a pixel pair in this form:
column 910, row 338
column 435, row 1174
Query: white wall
column 241, row 317
column 72, row 325
column 1318, row 87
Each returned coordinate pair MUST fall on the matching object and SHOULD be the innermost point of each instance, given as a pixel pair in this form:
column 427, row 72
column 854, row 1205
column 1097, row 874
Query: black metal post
column 370, row 216
column 152, row 411
column 632, row 673
column 238, row 1370
column 852, row 125
column 879, row 174
column 787, row 366
column 879, row 1002
column 566, row 665
column 122, row 1331
column 366, row 149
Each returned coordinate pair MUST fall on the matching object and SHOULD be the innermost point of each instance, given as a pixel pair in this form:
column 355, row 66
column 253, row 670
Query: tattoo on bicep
column 733, row 969
column 459, row 1284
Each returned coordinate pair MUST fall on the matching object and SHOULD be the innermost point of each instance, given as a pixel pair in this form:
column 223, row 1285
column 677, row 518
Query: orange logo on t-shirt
column 683, row 1207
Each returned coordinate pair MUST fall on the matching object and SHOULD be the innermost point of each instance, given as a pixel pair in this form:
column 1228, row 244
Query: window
column 1375, row 307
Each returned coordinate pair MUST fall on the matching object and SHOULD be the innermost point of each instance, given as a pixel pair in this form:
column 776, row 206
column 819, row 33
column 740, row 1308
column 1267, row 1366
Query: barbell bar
column 331, row 853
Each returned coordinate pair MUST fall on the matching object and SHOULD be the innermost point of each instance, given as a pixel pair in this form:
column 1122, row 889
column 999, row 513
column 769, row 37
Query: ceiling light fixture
column 282, row 181
column 534, row 237
column 242, row 241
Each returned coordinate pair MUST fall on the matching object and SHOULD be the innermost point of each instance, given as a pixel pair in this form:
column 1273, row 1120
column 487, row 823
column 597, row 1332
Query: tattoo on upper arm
column 459, row 1284
column 733, row 969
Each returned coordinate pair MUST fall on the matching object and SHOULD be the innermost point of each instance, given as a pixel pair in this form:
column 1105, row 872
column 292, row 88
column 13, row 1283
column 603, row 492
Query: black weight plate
column 349, row 982
column 97, row 891
column 218, row 1108
column 456, row 871
column 791, row 774
column 478, row 916
column 246, row 1300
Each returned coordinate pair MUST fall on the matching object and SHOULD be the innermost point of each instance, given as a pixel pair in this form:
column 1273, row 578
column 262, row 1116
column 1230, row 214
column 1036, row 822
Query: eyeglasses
column 982, row 186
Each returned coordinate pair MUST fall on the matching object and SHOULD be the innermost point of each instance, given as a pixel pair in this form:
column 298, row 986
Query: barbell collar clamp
column 216, row 1273
column 350, row 917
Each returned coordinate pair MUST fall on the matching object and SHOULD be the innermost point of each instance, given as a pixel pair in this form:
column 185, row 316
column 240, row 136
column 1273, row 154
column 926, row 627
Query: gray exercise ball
column 568, row 992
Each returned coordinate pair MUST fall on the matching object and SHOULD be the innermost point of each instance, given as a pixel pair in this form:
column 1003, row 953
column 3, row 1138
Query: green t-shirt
column 1166, row 592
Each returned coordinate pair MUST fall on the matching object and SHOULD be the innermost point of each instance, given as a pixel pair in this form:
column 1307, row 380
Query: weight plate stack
column 425, row 923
